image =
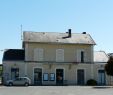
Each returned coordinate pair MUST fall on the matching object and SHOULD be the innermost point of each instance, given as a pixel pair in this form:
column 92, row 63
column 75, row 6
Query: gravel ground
column 56, row 90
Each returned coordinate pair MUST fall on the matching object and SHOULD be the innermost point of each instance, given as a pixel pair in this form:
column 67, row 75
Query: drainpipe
column 25, row 69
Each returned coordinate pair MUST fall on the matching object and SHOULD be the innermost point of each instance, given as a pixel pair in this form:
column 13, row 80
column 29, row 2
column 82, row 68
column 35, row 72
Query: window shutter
column 85, row 57
column 78, row 56
column 38, row 54
column 59, row 55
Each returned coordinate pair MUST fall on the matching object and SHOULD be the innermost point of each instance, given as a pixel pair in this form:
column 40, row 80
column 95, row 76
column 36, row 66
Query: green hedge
column 91, row 82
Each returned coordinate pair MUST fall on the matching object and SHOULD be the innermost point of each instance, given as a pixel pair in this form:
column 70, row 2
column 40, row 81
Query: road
column 56, row 90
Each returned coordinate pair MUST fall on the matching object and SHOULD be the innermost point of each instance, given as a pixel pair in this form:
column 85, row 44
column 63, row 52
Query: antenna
column 21, row 32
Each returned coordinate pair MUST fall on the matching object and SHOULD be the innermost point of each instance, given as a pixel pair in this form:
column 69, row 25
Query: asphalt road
column 56, row 90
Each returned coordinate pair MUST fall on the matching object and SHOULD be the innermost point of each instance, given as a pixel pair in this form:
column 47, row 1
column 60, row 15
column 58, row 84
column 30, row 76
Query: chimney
column 83, row 32
column 69, row 33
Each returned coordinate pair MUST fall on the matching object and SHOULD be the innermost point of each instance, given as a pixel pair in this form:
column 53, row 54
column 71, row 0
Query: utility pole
column 21, row 29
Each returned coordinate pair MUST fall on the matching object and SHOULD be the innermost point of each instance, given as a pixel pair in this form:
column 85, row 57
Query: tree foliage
column 109, row 67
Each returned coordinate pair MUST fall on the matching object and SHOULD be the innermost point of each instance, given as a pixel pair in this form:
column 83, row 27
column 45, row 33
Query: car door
column 23, row 80
column 16, row 81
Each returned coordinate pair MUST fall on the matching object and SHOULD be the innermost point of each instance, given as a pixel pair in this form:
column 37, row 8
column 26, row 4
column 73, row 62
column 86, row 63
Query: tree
column 109, row 67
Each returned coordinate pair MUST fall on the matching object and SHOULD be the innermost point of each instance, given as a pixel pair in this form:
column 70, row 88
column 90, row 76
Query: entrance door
column 14, row 73
column 80, row 77
column 37, row 76
column 101, row 77
column 59, row 76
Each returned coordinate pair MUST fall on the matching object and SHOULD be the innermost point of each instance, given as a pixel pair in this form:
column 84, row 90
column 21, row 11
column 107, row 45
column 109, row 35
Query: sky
column 92, row 16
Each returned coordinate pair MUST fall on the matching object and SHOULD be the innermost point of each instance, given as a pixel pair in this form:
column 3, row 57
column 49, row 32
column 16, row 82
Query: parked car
column 19, row 81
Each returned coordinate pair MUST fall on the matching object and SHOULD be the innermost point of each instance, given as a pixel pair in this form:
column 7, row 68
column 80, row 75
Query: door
column 18, row 81
column 37, row 76
column 80, row 77
column 59, row 76
column 14, row 73
column 101, row 77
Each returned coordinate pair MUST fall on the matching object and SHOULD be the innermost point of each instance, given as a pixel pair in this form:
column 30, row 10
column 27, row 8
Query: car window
column 23, row 78
column 17, row 79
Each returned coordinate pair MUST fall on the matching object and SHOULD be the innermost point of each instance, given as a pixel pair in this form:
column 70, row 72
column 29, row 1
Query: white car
column 19, row 81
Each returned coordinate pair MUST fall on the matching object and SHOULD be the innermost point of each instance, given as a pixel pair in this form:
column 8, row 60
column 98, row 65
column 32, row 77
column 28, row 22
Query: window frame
column 45, row 77
column 52, row 78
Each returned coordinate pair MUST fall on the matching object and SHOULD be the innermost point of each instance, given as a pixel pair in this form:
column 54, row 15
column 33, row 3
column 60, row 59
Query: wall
column 7, row 65
column 70, row 71
column 70, row 51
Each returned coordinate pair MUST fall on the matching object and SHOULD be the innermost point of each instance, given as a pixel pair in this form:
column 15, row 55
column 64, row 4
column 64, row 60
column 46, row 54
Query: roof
column 100, row 56
column 14, row 55
column 52, row 37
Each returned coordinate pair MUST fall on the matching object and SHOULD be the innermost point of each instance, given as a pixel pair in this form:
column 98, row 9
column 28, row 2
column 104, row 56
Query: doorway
column 37, row 76
column 80, row 77
column 101, row 77
column 14, row 73
column 59, row 76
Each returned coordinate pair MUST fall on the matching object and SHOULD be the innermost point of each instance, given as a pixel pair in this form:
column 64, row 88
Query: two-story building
column 53, row 58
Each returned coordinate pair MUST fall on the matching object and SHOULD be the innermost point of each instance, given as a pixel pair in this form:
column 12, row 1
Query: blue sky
column 93, row 16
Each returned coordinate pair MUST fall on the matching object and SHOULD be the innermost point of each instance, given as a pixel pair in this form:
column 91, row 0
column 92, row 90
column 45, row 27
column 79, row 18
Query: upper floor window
column 80, row 56
column 38, row 54
column 59, row 55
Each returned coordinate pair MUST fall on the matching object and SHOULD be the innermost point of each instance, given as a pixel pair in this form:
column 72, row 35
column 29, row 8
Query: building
column 55, row 59
column 100, row 59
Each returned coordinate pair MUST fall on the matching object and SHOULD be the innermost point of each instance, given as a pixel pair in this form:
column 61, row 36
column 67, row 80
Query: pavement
column 56, row 90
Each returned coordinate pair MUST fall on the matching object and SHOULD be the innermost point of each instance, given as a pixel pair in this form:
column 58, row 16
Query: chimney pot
column 84, row 33
column 69, row 33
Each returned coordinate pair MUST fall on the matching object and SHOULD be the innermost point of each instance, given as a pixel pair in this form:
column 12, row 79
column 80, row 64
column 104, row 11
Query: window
column 45, row 77
column 80, row 56
column 52, row 77
column 59, row 55
column 38, row 54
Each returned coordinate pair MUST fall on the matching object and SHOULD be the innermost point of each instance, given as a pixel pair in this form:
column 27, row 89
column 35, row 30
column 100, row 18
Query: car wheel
column 26, row 84
column 10, row 84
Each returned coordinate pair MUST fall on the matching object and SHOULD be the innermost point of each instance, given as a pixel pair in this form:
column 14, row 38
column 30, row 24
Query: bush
column 91, row 82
